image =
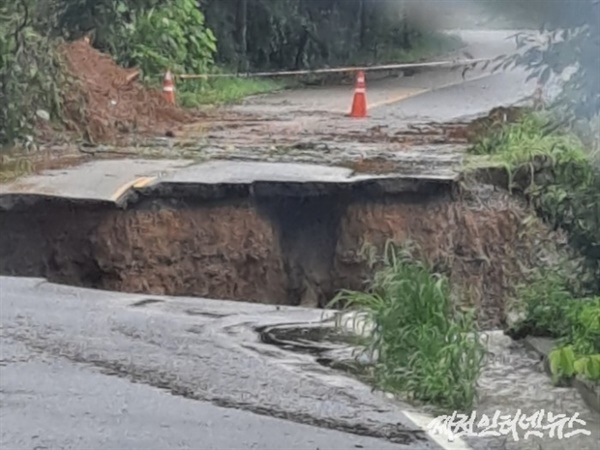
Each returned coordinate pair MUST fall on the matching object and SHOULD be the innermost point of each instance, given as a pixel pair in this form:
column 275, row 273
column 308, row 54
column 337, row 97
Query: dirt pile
column 106, row 100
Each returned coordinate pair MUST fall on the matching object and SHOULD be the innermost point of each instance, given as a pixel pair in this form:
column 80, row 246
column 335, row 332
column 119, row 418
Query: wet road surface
column 514, row 380
column 310, row 126
column 50, row 402
column 87, row 364
column 81, row 368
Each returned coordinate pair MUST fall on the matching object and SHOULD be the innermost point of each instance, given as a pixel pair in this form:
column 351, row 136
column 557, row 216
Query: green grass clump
column 521, row 142
column 216, row 91
column 548, row 302
column 578, row 350
column 427, row 349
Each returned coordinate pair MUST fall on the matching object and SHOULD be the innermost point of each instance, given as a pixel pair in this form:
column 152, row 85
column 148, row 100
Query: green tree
column 572, row 39
column 305, row 33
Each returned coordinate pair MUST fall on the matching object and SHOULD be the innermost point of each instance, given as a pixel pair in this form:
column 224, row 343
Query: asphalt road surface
column 85, row 369
column 49, row 402
column 312, row 118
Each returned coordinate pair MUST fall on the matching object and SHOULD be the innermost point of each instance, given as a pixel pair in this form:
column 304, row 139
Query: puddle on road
column 330, row 346
column 314, row 339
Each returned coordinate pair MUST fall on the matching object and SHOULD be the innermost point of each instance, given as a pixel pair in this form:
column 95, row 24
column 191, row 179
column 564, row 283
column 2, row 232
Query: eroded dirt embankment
column 278, row 250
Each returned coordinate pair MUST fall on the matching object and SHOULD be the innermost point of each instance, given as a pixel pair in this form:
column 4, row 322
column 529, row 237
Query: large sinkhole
column 296, row 246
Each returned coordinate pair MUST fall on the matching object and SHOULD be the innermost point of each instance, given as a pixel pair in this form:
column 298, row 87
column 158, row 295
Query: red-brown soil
column 105, row 100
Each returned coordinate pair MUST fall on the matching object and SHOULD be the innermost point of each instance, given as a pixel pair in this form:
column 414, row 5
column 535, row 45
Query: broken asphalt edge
column 219, row 191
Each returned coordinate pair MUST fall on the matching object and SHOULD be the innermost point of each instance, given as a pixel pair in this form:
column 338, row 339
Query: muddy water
column 513, row 379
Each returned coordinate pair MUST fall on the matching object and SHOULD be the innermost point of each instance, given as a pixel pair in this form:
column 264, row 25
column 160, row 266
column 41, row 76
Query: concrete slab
column 106, row 180
column 248, row 172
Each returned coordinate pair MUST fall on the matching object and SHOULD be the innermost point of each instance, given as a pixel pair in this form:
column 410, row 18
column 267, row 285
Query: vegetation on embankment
column 427, row 349
column 558, row 174
column 31, row 74
column 551, row 309
column 553, row 160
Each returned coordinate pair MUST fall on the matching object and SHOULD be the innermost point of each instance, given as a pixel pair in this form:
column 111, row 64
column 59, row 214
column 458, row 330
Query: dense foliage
column 572, row 39
column 299, row 33
column 578, row 353
column 30, row 70
column 256, row 33
column 427, row 349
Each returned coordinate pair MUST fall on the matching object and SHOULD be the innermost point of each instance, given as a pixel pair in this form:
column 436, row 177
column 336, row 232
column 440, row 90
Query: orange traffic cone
column 169, row 88
column 359, row 102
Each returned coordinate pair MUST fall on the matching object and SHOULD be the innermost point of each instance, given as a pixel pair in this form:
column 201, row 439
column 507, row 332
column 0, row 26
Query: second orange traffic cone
column 359, row 102
column 169, row 88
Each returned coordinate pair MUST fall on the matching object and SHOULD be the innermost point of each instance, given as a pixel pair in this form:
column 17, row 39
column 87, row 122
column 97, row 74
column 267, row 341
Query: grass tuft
column 193, row 93
column 428, row 350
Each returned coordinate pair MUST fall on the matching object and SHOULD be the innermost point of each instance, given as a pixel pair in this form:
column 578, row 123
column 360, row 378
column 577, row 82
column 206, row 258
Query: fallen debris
column 107, row 100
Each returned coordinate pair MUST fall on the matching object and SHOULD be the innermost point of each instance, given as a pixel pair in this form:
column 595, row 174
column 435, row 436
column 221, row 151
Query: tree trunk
column 242, row 34
column 406, row 41
column 362, row 23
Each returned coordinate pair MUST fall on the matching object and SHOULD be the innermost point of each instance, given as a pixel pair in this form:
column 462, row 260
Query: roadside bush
column 549, row 302
column 171, row 36
column 578, row 349
column 427, row 349
column 557, row 171
column 31, row 74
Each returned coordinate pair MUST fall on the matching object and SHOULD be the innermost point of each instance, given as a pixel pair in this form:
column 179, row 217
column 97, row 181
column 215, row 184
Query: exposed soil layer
column 277, row 250
column 218, row 250
column 483, row 248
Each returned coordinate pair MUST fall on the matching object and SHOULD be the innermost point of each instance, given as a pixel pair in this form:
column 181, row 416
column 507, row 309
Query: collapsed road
column 273, row 209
